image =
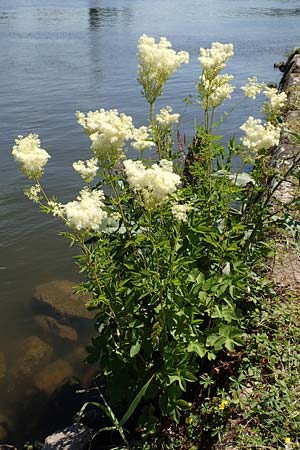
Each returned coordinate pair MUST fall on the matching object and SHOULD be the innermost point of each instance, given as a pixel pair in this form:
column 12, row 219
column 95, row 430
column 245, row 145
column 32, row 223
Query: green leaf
column 174, row 378
column 135, row 349
column 211, row 356
column 98, row 405
column 183, row 404
column 135, row 402
column 215, row 341
column 229, row 313
column 229, row 344
column 241, row 179
column 202, row 296
column 197, row 347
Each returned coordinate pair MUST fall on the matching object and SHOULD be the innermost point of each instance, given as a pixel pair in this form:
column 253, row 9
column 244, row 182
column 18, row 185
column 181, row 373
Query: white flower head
column 252, row 88
column 277, row 100
column 33, row 193
column 217, row 89
column 258, row 136
column 154, row 183
column 116, row 216
column 180, row 211
column 165, row 118
column 86, row 213
column 166, row 165
column 87, row 169
column 157, row 62
column 28, row 153
column 108, row 131
column 57, row 209
column 214, row 58
column 141, row 139
column 135, row 172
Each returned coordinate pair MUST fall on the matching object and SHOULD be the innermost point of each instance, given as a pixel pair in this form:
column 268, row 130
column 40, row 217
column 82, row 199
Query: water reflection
column 99, row 17
column 6, row 16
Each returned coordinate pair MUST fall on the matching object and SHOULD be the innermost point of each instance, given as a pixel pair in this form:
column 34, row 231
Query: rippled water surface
column 59, row 56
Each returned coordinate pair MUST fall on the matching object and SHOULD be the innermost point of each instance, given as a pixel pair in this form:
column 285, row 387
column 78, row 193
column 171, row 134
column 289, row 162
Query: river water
column 60, row 56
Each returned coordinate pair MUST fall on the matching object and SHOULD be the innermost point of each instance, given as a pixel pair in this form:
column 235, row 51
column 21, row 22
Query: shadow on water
column 100, row 17
column 47, row 414
column 269, row 12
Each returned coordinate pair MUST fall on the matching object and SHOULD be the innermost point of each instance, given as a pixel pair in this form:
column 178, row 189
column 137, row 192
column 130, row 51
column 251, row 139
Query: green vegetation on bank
column 250, row 398
column 171, row 250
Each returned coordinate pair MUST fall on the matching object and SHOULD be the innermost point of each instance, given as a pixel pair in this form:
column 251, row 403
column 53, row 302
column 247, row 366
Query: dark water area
column 60, row 56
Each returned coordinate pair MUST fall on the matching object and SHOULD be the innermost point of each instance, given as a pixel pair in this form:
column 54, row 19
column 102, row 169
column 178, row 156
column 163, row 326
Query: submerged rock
column 3, row 433
column 32, row 354
column 78, row 355
column 53, row 376
column 7, row 447
column 88, row 376
column 6, row 425
column 75, row 437
column 51, row 328
column 2, row 367
column 60, row 298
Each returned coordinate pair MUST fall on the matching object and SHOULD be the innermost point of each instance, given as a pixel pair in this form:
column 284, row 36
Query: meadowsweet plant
column 108, row 132
column 157, row 62
column 87, row 169
column 30, row 156
column 259, row 136
column 275, row 104
column 162, row 127
column 214, row 88
column 252, row 88
column 168, row 247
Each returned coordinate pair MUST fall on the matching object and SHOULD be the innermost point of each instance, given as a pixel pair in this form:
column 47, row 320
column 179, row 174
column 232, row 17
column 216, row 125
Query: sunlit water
column 60, row 56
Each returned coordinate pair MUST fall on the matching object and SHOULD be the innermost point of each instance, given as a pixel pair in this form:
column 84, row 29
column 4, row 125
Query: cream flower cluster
column 57, row 209
column 252, row 88
column 214, row 58
column 108, row 131
column 258, row 136
column 141, row 139
column 86, row 213
column 277, row 100
column 87, row 169
column 165, row 118
column 28, row 153
column 180, row 211
column 33, row 193
column 217, row 90
column 213, row 87
column 157, row 62
column 154, row 183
